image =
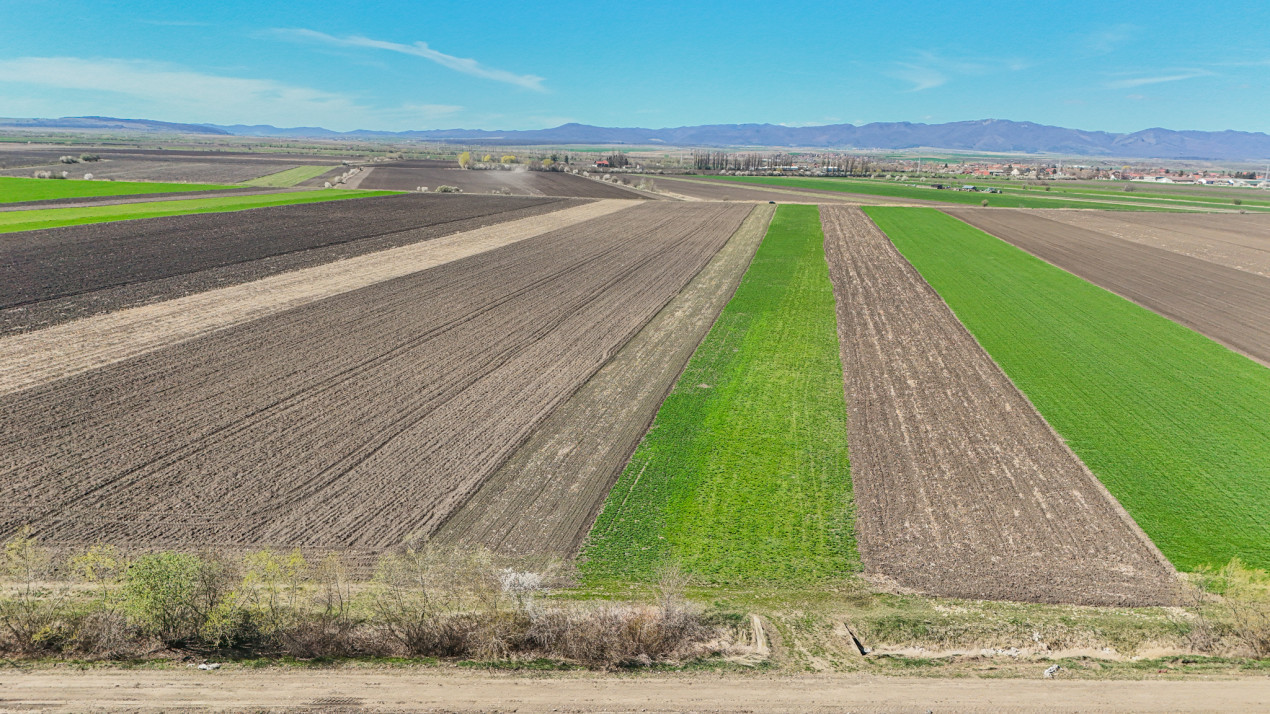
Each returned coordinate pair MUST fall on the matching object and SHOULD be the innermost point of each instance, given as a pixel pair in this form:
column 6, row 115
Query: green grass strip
column 1176, row 425
column 12, row 221
column 743, row 476
column 288, row 178
column 894, row 190
column 16, row 190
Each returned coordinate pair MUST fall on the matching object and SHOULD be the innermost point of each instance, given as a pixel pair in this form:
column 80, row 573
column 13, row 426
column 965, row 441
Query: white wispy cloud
column 1109, row 39
column 1131, row 82
column 419, row 49
column 921, row 76
column 138, row 87
column 927, row 70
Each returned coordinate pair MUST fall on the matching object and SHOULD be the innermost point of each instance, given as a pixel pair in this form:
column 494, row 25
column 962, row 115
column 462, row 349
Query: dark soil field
column 353, row 422
column 1235, row 241
column 1226, row 304
column 543, row 500
column 962, row 489
column 409, row 175
column 156, row 165
column 707, row 189
column 54, row 275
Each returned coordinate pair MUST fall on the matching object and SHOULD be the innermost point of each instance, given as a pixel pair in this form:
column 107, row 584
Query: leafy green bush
column 179, row 598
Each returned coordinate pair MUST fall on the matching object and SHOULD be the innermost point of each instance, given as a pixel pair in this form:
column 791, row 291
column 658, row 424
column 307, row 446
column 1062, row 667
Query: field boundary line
column 1206, row 334
column 1117, row 507
column 34, row 358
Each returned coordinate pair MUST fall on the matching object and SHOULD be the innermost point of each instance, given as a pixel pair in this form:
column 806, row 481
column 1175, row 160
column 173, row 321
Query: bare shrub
column 1231, row 610
column 441, row 602
column 32, row 611
column 614, row 635
column 103, row 629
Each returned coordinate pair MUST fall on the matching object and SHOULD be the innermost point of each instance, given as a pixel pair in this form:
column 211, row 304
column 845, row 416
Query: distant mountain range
column 986, row 135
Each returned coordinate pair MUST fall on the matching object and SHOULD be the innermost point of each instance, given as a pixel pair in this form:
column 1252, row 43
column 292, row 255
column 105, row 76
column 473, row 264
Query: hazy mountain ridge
column 987, row 135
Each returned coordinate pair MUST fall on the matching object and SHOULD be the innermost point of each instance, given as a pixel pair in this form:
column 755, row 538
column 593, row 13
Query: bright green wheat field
column 11, row 221
column 743, row 476
column 15, row 190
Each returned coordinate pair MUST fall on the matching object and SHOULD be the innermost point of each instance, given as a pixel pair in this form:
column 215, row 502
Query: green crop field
column 743, row 476
column 11, row 221
column 1176, row 425
column 288, row 178
column 14, row 190
column 1010, row 199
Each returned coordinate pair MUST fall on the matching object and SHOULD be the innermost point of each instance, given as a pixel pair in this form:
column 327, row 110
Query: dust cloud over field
column 409, row 175
column 356, row 421
column 962, row 489
column 1228, row 305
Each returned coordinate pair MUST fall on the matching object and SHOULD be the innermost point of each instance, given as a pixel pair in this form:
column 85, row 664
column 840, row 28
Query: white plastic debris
column 209, row 665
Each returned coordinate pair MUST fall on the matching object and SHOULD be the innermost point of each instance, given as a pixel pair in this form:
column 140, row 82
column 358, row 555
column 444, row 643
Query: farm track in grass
column 16, row 221
column 1171, row 422
column 743, row 476
column 409, row 175
column 288, row 177
column 1235, row 241
column 21, row 190
column 1011, row 198
column 1228, row 305
column 962, row 489
column 543, row 500
column 52, row 276
column 80, row 346
column 353, row 422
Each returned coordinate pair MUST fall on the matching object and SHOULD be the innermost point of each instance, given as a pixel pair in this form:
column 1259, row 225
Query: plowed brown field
column 961, row 487
column 544, row 499
column 1229, row 239
column 1228, row 305
column 356, row 421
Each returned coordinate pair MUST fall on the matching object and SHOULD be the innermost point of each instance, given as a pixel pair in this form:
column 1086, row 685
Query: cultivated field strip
column 54, row 353
column 962, row 489
column 240, row 248
column 1235, row 241
column 37, row 266
column 1227, row 305
column 543, row 500
column 357, row 421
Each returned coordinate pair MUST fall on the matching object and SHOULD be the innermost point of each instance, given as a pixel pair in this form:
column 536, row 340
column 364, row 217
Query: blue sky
column 1114, row 66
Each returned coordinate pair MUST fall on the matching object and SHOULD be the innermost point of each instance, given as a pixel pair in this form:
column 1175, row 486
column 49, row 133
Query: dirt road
column 51, row 276
column 380, row 690
column 962, row 489
column 65, row 350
